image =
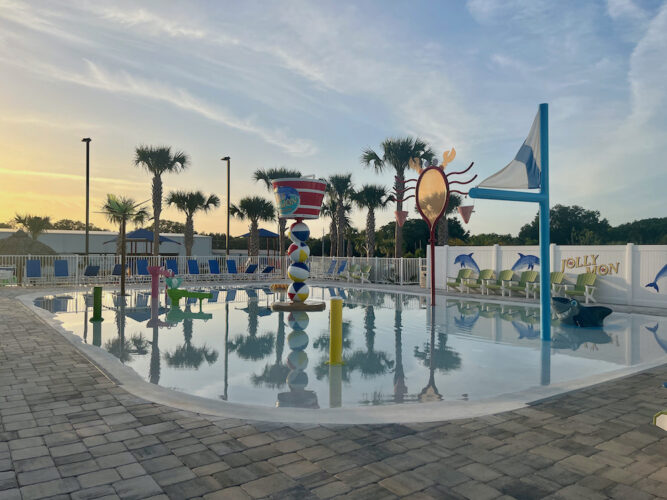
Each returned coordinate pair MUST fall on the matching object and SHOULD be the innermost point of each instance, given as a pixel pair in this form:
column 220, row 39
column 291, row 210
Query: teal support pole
column 545, row 265
column 542, row 198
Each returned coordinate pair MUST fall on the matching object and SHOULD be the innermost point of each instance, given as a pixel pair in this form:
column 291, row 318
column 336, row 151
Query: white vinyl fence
column 624, row 271
column 14, row 268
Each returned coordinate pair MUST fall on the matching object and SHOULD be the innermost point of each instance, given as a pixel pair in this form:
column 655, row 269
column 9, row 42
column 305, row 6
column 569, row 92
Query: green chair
column 353, row 272
column 484, row 276
column 459, row 281
column 557, row 284
column 584, row 287
column 526, row 282
column 365, row 273
column 501, row 284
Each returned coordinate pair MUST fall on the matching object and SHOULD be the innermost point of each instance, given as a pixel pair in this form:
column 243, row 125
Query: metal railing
column 14, row 268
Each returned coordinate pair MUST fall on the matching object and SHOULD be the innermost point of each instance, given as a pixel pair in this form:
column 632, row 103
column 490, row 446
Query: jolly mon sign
column 590, row 262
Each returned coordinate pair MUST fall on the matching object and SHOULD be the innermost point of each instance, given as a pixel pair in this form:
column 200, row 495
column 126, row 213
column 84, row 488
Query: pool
column 396, row 350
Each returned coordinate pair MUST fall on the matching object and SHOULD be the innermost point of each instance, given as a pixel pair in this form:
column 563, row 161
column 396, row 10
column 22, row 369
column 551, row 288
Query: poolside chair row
column 354, row 272
column 528, row 284
column 61, row 272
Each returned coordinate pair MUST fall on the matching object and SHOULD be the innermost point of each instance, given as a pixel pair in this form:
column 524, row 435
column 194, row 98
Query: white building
column 74, row 242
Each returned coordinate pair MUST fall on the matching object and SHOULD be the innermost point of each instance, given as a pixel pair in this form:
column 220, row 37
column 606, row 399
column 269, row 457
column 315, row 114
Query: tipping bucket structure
column 299, row 198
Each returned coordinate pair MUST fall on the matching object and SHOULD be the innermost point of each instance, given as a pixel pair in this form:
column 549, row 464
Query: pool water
column 396, row 350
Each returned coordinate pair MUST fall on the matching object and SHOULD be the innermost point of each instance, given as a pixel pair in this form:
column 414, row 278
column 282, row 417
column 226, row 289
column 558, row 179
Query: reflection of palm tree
column 444, row 357
column 252, row 346
column 187, row 355
column 371, row 362
column 275, row 375
column 400, row 389
column 154, row 369
column 322, row 343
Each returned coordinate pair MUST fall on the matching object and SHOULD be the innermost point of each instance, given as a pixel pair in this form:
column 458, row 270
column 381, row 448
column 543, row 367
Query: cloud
column 125, row 83
column 68, row 177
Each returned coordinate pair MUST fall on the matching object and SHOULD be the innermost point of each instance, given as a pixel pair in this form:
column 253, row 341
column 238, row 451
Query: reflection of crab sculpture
column 432, row 196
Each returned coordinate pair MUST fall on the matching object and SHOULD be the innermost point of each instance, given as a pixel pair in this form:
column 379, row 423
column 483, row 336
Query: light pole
column 87, row 141
column 227, row 159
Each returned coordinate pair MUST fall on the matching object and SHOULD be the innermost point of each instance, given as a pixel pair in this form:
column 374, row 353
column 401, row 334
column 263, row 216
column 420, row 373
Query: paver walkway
column 68, row 431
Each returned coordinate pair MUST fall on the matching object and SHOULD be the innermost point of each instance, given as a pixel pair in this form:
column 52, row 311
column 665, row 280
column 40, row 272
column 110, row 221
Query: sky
column 309, row 85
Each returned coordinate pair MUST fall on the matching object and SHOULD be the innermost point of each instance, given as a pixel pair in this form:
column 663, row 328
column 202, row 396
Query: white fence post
column 496, row 259
column 400, row 267
column 629, row 272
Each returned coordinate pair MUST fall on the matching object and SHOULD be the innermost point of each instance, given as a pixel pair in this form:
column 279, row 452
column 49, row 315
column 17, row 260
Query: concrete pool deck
column 68, row 429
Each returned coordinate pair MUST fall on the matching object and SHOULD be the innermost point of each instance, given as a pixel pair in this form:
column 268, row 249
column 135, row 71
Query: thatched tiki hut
column 20, row 243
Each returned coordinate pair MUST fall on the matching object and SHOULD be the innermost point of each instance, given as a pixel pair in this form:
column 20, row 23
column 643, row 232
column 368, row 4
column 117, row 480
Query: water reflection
column 252, row 346
column 370, row 362
column 275, row 374
column 297, row 361
column 188, row 355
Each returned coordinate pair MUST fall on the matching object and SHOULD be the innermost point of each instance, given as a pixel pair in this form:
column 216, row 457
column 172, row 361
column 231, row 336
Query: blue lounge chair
column 33, row 270
column 142, row 270
column 330, row 271
column 214, row 296
column 231, row 268
column 193, row 268
column 214, row 268
column 172, row 265
column 61, row 270
column 250, row 270
column 267, row 271
column 341, row 268
column 90, row 273
column 230, row 296
column 252, row 294
column 117, row 269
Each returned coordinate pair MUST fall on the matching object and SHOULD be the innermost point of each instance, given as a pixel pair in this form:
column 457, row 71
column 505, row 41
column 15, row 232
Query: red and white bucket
column 299, row 197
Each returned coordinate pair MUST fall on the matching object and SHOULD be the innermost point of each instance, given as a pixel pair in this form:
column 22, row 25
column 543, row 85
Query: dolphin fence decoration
column 529, row 170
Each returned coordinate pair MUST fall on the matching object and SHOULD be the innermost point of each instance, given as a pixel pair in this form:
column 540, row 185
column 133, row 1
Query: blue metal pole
column 545, row 266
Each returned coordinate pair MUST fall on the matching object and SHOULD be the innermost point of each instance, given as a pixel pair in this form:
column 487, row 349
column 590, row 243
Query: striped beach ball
column 298, row 272
column 298, row 252
column 297, row 320
column 298, row 291
column 297, row 360
column 298, row 232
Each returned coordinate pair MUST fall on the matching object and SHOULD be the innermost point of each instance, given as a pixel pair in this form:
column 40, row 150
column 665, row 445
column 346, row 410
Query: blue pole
column 542, row 198
column 545, row 266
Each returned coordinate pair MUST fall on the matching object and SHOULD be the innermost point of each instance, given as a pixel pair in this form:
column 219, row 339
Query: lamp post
column 227, row 159
column 87, row 141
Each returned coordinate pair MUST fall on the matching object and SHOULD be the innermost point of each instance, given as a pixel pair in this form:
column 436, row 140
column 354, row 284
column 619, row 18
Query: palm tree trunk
column 333, row 238
column 340, row 215
column 442, row 231
column 282, row 224
column 123, row 252
column 189, row 236
column 370, row 233
column 254, row 239
column 399, row 185
column 157, row 210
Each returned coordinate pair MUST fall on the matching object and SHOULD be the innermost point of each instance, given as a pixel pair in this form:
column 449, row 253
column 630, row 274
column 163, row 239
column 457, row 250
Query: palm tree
column 371, row 197
column 442, row 228
column 267, row 176
column 191, row 202
column 253, row 208
column 159, row 160
column 329, row 210
column 341, row 193
column 121, row 210
column 34, row 224
column 397, row 153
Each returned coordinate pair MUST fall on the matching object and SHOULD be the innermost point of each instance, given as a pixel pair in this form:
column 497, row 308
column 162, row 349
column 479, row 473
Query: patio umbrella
column 20, row 243
column 263, row 233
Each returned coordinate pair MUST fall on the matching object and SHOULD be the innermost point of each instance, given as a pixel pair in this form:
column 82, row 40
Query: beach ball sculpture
column 297, row 362
column 300, row 199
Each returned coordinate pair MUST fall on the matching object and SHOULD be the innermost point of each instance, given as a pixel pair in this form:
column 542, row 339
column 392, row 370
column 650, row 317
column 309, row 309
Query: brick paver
column 66, row 430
